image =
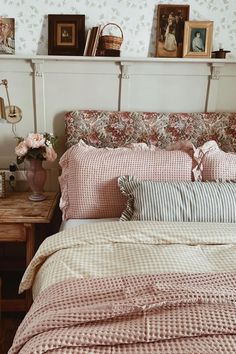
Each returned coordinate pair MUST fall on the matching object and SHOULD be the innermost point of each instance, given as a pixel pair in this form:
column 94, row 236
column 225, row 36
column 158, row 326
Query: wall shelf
column 117, row 59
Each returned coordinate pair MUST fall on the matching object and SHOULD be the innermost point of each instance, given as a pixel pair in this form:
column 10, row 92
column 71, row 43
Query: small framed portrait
column 7, row 35
column 2, row 185
column 66, row 34
column 198, row 39
column 170, row 30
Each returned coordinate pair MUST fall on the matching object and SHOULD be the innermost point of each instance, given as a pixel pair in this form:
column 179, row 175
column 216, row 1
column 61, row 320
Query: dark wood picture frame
column 66, row 34
column 170, row 30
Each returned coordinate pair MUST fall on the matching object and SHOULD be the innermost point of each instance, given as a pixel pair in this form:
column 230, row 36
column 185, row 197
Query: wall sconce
column 12, row 114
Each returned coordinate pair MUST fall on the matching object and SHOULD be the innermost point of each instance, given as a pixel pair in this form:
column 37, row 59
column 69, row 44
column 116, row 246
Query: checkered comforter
column 134, row 247
column 133, row 287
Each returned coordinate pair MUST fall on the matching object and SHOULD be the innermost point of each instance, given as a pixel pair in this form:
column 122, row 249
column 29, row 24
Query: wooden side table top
column 17, row 208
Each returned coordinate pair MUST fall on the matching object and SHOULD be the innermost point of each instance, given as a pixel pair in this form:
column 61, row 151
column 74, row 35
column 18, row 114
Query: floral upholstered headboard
column 115, row 128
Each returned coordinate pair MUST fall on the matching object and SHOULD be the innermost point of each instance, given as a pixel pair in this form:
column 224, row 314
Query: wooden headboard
column 114, row 128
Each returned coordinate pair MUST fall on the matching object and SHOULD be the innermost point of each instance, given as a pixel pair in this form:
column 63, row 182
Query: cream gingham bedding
column 134, row 247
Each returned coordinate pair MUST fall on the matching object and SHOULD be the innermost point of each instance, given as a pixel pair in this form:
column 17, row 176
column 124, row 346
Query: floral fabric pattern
column 114, row 129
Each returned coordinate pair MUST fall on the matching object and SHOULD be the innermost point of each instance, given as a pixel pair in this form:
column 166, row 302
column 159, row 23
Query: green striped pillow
column 178, row 201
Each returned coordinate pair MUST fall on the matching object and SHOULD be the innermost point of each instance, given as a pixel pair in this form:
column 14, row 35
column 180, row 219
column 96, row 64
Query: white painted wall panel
column 168, row 94
column 227, row 89
column 227, row 95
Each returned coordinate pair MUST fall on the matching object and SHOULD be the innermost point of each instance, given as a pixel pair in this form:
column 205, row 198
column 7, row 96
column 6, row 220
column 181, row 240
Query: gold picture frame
column 2, row 184
column 198, row 39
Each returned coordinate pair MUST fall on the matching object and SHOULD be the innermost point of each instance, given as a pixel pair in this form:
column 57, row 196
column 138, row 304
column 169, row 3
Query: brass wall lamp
column 10, row 113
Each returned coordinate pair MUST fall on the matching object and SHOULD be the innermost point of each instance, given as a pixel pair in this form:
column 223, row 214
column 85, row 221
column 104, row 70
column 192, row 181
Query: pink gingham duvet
column 165, row 313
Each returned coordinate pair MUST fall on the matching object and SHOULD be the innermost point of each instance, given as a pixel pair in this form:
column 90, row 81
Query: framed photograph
column 198, row 39
column 7, row 35
column 2, row 185
column 170, row 30
column 66, row 34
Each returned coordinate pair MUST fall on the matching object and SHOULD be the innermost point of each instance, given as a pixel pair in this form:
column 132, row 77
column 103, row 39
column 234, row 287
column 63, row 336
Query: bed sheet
column 66, row 224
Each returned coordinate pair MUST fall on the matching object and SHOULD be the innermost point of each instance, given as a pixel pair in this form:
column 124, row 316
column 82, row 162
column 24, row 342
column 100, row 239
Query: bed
column 145, row 260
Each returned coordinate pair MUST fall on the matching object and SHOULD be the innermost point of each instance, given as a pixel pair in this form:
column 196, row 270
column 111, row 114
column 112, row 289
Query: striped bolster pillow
column 178, row 201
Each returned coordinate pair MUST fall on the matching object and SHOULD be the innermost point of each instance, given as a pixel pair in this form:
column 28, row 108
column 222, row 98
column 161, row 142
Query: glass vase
column 36, row 177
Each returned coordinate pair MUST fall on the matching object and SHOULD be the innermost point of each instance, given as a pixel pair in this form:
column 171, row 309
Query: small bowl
column 220, row 54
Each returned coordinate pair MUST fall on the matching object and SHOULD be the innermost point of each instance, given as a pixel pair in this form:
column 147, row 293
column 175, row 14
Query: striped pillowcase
column 178, row 201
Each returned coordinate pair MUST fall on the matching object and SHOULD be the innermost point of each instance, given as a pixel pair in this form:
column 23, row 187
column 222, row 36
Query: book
column 96, row 41
column 87, row 42
column 92, row 41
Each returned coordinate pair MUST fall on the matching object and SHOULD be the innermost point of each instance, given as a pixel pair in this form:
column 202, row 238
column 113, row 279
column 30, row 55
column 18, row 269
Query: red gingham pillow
column 89, row 187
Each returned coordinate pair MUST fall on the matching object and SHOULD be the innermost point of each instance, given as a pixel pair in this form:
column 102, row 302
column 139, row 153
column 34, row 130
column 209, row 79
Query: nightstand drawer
column 12, row 232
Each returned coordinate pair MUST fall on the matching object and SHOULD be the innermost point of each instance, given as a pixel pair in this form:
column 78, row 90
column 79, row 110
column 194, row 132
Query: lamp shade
column 2, row 109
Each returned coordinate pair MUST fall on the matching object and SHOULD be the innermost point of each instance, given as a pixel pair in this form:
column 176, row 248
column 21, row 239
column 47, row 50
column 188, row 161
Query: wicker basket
column 108, row 41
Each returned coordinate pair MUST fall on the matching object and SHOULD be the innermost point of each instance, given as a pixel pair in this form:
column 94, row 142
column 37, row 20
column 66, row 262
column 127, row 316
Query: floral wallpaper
column 137, row 18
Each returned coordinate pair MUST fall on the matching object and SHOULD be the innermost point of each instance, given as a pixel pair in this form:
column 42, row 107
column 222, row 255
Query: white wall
column 137, row 18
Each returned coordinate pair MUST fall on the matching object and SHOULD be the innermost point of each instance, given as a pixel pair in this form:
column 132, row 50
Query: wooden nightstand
column 19, row 219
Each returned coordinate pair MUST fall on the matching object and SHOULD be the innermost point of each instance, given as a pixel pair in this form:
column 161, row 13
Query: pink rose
column 21, row 149
column 35, row 140
column 50, row 154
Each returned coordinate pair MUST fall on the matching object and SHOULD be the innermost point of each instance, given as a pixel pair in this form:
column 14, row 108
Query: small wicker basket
column 110, row 42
